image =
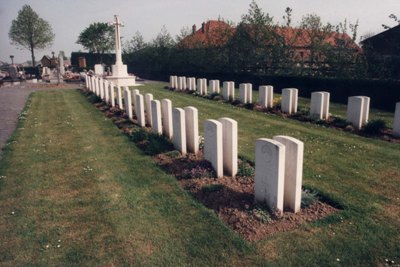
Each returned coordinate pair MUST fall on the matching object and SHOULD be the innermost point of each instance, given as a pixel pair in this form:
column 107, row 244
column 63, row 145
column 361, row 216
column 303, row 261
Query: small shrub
column 158, row 144
column 308, row 197
column 340, row 122
column 173, row 154
column 245, row 169
column 94, row 99
column 212, row 188
column 250, row 106
column 139, row 135
column 197, row 173
column 213, row 95
column 375, row 127
column 262, row 215
column 236, row 102
column 201, row 142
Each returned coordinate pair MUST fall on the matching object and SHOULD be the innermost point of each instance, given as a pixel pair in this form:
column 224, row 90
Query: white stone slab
column 229, row 146
column 166, row 112
column 128, row 103
column 106, row 91
column 213, row 145
column 396, row 122
column 180, row 83
column 98, row 69
column 270, row 173
column 101, row 86
column 156, row 117
column 214, row 86
column 193, row 81
column 139, row 110
column 289, row 100
column 228, row 91
column 243, row 93
column 319, row 107
column 192, row 129
column 249, row 92
column 134, row 93
column 358, row 110
column 294, row 151
column 179, row 125
column 147, row 107
column 171, row 81
column 266, row 96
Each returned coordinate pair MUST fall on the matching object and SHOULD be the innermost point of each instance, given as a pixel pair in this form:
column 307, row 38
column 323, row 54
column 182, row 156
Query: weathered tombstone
column 106, row 91
column 214, row 86
column 147, row 107
column 358, row 110
column 200, row 86
column 213, row 145
column 119, row 97
column 396, row 123
column 249, row 88
column 228, row 90
column 204, row 89
column 98, row 69
column 270, row 173
column 243, row 93
column 294, row 151
column 112, row 95
column 289, row 100
column 193, row 81
column 172, row 82
column 266, row 96
column 179, row 136
column 229, row 146
column 156, row 116
column 180, row 83
column 192, row 129
column 166, row 110
column 128, row 102
column 134, row 93
column 184, row 85
column 101, row 86
column 189, row 83
column 320, row 105
column 139, row 110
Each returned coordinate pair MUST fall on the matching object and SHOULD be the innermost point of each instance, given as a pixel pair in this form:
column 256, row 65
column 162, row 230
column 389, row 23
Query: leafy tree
column 135, row 44
column 163, row 39
column 30, row 31
column 97, row 38
column 393, row 17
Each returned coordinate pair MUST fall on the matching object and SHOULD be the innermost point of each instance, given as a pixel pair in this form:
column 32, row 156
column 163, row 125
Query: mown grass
column 360, row 174
column 74, row 191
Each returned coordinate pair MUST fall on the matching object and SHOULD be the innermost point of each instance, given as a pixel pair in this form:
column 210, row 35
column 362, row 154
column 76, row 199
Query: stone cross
column 118, row 53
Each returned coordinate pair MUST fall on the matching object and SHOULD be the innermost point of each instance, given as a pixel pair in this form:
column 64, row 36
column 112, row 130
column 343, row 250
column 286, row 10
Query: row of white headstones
column 278, row 163
column 357, row 106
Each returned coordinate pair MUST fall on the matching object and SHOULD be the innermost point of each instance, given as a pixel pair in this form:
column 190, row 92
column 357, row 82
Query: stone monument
column 119, row 75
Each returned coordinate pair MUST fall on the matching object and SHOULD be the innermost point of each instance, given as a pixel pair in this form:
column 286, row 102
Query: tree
column 164, row 39
column 97, row 38
column 393, row 17
column 30, row 31
column 135, row 44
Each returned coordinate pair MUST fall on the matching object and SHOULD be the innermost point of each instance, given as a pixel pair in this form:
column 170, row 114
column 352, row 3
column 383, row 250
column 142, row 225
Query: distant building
column 383, row 54
column 50, row 62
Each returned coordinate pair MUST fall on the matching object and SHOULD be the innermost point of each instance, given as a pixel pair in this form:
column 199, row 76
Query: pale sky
column 69, row 18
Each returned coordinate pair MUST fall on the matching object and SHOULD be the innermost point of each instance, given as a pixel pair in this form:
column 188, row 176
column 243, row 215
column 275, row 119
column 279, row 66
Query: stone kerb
column 228, row 90
column 289, row 100
column 119, row 97
column 319, row 107
column 166, row 110
column 192, row 129
column 156, row 117
column 139, row 110
column 396, row 123
column 266, row 96
column 128, row 103
column 358, row 110
column 179, row 136
column 112, row 94
column 213, row 145
column 270, row 173
column 229, row 146
column 147, row 98
column 294, row 151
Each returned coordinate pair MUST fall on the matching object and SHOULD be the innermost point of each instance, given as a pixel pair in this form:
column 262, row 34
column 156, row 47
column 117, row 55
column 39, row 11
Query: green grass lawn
column 70, row 175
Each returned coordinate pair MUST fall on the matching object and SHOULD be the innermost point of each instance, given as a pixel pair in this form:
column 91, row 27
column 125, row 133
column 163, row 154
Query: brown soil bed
column 232, row 199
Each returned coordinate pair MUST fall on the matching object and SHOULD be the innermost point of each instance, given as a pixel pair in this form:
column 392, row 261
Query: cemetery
column 199, row 170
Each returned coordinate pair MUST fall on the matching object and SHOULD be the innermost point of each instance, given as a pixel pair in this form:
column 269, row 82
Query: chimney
column 203, row 27
column 194, row 29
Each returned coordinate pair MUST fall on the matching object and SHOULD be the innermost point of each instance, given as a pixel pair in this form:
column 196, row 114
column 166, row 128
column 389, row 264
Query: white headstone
column 229, row 146
column 396, row 123
column 179, row 136
column 128, row 102
column 107, row 91
column 119, row 97
column 171, row 82
column 193, row 82
column 266, row 96
column 192, row 129
column 189, row 83
column 156, row 117
column 200, row 86
column 213, row 145
column 147, row 107
column 139, row 110
column 289, row 100
column 134, row 93
column 101, row 88
column 319, row 107
column 228, row 90
column 98, row 69
column 294, row 151
column 166, row 110
column 214, row 86
column 243, row 93
column 249, row 92
column 270, row 173
column 112, row 95
column 180, row 83
column 358, row 110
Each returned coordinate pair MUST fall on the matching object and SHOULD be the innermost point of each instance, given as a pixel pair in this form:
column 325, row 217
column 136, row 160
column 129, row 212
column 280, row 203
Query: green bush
column 308, row 197
column 375, row 127
column 139, row 135
column 245, row 169
column 158, row 144
column 212, row 188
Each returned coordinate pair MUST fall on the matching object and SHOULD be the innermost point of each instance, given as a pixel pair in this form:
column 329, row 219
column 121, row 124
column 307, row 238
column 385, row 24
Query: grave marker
column 147, row 98
column 119, row 97
column 358, row 110
column 396, row 123
column 289, row 100
column 112, row 95
column 266, row 96
column 166, row 110
column 179, row 136
column 139, row 110
column 156, row 117
column 229, row 146
column 320, row 105
column 213, row 145
column 192, row 129
column 128, row 102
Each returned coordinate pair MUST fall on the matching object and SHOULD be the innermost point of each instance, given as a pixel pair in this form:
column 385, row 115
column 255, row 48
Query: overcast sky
column 69, row 18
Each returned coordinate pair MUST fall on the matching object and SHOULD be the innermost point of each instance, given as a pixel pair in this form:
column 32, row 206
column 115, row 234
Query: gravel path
column 12, row 101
